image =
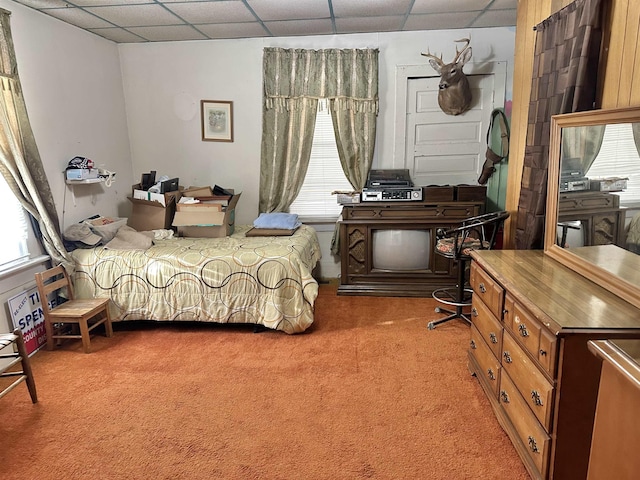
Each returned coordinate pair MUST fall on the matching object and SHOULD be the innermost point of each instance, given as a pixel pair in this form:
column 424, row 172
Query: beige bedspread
column 235, row 279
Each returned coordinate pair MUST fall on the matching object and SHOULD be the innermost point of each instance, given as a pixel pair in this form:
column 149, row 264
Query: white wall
column 136, row 107
column 164, row 83
column 73, row 90
column 72, row 86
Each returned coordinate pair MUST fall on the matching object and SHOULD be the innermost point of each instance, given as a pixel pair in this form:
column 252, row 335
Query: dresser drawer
column 536, row 390
column 491, row 293
column 535, row 440
column 488, row 326
column 489, row 365
column 538, row 341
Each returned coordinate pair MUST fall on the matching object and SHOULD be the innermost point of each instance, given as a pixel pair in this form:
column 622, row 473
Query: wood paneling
column 620, row 83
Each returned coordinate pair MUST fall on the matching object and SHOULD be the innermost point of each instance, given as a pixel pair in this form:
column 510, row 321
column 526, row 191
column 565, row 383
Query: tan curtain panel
column 20, row 162
column 294, row 80
column 565, row 69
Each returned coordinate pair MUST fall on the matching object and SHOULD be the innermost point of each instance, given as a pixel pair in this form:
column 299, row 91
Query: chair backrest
column 477, row 233
column 52, row 280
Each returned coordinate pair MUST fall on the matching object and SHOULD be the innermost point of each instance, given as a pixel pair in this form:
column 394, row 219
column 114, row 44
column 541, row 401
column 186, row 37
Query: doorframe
column 406, row 72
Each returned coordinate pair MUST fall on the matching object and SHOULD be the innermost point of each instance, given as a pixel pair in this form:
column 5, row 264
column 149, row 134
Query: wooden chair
column 12, row 340
column 60, row 319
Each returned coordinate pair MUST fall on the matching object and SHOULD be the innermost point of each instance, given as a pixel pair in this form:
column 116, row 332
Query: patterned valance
column 347, row 77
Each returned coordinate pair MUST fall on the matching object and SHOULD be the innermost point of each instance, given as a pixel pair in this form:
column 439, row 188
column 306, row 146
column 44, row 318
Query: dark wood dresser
column 532, row 320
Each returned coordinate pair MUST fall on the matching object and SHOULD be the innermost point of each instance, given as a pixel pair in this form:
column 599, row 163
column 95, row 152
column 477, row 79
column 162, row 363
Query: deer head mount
column 454, row 96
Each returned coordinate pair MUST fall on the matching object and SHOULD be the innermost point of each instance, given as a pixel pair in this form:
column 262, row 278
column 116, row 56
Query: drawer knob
column 482, row 288
column 523, row 330
column 474, row 312
column 535, row 396
column 543, row 352
column 493, row 338
column 532, row 444
column 504, row 396
column 491, row 375
column 507, row 357
column 472, row 344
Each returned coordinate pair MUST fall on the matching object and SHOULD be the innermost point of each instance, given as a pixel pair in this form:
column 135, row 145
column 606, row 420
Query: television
column 401, row 249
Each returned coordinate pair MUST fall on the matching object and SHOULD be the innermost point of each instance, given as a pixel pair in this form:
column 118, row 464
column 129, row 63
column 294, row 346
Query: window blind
column 619, row 157
column 324, row 174
column 13, row 247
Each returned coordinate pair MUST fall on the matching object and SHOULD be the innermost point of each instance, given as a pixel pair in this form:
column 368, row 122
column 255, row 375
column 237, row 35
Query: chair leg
column 26, row 366
column 84, row 332
column 108, row 327
column 458, row 302
column 48, row 326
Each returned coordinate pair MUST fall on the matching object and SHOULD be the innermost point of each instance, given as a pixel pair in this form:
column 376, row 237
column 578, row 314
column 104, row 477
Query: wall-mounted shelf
column 84, row 181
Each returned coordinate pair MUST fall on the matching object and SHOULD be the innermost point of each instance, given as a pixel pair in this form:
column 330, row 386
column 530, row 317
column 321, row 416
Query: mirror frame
column 604, row 274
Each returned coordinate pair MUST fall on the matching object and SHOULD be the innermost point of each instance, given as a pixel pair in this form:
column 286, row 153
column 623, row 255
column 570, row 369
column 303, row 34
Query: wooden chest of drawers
column 532, row 319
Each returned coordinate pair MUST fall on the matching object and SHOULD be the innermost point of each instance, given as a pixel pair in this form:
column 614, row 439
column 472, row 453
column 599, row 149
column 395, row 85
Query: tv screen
column 401, row 250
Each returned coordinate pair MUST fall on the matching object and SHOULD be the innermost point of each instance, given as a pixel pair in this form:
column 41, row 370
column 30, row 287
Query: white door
column 446, row 149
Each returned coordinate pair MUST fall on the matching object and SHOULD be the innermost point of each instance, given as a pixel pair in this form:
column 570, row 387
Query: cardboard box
column 198, row 207
column 206, row 220
column 162, row 198
column 197, row 192
column 152, row 214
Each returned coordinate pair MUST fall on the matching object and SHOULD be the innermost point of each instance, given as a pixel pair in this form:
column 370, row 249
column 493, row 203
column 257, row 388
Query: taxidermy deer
column 454, row 96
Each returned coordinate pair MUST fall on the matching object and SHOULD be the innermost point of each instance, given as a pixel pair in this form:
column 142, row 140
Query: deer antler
column 458, row 53
column 438, row 60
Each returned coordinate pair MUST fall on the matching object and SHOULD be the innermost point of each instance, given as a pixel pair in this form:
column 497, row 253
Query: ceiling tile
column 447, row 6
column 234, row 30
column 90, row 3
column 440, row 21
column 43, row 3
column 494, row 18
column 117, row 35
column 300, row 27
column 359, row 8
column 290, row 9
column 369, row 24
column 213, row 12
column 78, row 17
column 168, row 33
column 136, row 15
column 504, row 5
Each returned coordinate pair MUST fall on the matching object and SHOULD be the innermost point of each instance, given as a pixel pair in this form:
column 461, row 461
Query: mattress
column 236, row 279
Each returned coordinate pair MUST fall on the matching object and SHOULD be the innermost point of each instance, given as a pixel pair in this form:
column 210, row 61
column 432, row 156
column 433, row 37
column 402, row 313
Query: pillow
column 129, row 239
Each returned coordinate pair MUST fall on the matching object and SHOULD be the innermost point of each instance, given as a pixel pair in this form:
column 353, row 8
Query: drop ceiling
column 133, row 21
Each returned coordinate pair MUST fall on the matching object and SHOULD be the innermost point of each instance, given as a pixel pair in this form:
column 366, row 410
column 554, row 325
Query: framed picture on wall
column 217, row 120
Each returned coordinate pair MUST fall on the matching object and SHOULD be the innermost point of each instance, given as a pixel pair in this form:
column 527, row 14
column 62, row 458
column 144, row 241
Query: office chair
column 474, row 233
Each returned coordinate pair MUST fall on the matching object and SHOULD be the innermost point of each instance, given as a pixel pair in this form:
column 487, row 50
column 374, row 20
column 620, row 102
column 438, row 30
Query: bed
column 265, row 281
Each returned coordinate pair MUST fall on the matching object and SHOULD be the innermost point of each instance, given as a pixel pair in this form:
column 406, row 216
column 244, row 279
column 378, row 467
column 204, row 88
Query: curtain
column 581, row 145
column 294, row 81
column 635, row 128
column 20, row 162
column 567, row 51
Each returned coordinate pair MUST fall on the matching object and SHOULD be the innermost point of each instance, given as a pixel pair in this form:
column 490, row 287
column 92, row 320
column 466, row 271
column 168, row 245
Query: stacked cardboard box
column 212, row 216
column 152, row 211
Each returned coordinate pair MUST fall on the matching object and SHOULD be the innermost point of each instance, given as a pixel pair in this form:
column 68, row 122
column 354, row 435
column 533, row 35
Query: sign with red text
column 27, row 315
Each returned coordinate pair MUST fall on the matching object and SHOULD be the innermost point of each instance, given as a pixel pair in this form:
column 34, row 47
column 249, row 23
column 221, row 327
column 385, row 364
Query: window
column 13, row 247
column 618, row 157
column 324, row 174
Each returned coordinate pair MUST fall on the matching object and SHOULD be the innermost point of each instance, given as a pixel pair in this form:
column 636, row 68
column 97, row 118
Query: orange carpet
column 367, row 392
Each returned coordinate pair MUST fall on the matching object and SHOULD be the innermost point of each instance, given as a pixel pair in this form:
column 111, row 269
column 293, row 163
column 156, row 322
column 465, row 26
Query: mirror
column 593, row 197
